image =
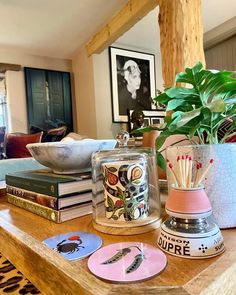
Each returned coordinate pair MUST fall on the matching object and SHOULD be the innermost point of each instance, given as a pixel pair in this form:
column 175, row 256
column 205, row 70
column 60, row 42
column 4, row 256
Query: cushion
column 16, row 144
column 55, row 134
column 2, row 137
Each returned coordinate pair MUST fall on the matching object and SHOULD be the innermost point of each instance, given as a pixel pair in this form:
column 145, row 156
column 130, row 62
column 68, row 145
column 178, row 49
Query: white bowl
column 69, row 156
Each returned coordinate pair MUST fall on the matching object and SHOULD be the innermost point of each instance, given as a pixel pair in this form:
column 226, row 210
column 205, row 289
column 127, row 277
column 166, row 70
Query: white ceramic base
column 191, row 245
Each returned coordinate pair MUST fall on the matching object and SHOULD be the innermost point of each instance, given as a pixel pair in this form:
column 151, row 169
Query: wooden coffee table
column 21, row 239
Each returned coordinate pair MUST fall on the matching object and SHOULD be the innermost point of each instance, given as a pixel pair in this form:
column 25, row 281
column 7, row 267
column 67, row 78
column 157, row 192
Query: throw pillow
column 55, row 134
column 2, row 138
column 16, row 144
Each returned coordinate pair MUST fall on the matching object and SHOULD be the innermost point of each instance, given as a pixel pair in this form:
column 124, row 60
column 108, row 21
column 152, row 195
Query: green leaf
column 163, row 98
column 114, row 217
column 121, row 212
column 217, row 105
column 201, row 108
column 181, row 92
column 161, row 162
column 120, row 194
column 186, row 117
column 161, row 139
column 110, row 202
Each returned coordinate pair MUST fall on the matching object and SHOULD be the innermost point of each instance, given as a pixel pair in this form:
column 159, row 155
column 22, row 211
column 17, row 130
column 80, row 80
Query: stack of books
column 56, row 197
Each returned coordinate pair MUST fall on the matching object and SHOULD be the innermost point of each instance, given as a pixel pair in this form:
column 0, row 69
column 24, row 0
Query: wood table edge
column 17, row 246
column 217, row 278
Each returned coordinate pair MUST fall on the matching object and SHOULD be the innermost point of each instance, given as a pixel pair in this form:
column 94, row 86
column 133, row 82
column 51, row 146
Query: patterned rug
column 12, row 281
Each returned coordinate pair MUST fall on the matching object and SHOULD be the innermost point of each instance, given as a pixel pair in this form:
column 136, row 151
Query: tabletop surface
column 22, row 234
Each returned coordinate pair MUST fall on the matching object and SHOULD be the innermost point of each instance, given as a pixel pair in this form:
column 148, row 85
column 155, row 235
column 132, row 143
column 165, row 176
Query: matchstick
column 198, row 166
column 189, row 180
column 183, row 169
column 180, row 171
column 205, row 172
column 173, row 175
column 186, row 170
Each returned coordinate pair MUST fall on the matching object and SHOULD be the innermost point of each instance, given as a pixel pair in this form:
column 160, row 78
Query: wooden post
column 181, row 35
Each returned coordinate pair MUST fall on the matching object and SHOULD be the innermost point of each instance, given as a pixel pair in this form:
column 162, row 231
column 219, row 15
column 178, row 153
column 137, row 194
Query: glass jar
column 126, row 198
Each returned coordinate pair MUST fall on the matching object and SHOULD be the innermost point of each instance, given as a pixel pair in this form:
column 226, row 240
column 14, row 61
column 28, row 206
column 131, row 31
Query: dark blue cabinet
column 49, row 100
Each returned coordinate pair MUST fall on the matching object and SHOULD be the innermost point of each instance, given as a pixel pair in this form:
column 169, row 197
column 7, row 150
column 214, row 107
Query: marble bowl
column 69, row 156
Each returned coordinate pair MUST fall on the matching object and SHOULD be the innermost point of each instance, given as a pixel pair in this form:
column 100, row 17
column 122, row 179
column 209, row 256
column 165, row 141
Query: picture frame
column 133, row 83
column 151, row 117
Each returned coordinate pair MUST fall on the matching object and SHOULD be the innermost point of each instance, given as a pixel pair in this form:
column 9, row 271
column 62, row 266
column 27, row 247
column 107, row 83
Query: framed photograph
column 132, row 82
column 145, row 118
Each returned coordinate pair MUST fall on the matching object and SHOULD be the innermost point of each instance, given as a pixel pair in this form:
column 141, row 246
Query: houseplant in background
column 204, row 108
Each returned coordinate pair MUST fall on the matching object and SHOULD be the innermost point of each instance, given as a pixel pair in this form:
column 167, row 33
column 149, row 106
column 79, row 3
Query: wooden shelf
column 22, row 234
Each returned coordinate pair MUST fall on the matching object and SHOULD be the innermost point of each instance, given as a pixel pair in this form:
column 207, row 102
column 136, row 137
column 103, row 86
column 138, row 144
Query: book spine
column 38, row 186
column 45, row 200
column 40, row 210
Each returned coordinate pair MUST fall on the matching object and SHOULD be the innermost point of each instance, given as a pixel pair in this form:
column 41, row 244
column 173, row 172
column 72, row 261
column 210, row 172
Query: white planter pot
column 220, row 181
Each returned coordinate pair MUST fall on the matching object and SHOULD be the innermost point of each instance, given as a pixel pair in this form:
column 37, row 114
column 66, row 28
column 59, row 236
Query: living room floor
column 12, row 281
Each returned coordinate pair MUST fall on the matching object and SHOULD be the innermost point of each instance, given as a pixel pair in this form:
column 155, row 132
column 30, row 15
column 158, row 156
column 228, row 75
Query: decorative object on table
column 44, row 181
column 190, row 232
column 205, row 108
column 220, row 181
column 127, row 262
column 57, row 216
column 133, row 82
column 52, row 196
column 74, row 245
column 53, row 202
column 126, row 193
column 126, row 190
column 144, row 118
column 68, row 157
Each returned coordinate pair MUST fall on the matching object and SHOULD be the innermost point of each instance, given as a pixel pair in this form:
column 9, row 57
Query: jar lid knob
column 122, row 138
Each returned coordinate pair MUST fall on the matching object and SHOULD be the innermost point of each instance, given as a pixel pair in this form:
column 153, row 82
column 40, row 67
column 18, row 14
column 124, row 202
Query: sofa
column 14, row 156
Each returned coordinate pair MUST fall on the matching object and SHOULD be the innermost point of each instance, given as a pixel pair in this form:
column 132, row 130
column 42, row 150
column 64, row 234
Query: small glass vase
column 126, row 197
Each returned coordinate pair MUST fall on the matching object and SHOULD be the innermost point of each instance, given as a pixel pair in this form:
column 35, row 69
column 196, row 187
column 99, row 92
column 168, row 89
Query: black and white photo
column 133, row 82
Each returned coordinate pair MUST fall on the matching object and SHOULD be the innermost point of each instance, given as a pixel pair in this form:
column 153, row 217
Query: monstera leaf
column 200, row 107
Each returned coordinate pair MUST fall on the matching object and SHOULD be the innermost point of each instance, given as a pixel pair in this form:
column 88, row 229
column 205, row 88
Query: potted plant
column 200, row 109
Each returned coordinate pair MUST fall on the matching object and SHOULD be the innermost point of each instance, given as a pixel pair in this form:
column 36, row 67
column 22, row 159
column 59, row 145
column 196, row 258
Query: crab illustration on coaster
column 127, row 262
column 74, row 245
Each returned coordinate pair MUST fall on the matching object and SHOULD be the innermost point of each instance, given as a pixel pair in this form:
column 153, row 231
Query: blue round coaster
column 74, row 245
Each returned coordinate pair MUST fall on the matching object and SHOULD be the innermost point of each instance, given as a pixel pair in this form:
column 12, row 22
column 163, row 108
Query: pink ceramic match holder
column 188, row 203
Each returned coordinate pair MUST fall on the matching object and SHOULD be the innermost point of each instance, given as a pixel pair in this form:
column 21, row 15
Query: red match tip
column 182, row 157
column 200, row 165
column 186, row 157
column 178, row 158
column 171, row 166
column 190, row 158
column 211, row 161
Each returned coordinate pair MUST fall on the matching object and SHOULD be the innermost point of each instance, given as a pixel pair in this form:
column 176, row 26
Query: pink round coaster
column 127, row 262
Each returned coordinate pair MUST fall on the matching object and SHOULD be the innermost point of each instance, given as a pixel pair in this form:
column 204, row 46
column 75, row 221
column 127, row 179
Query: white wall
column 84, row 94
column 16, row 98
column 34, row 61
column 15, row 81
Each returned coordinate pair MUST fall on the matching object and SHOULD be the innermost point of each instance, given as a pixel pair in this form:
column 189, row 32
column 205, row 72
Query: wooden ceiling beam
column 127, row 17
column 9, row 67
